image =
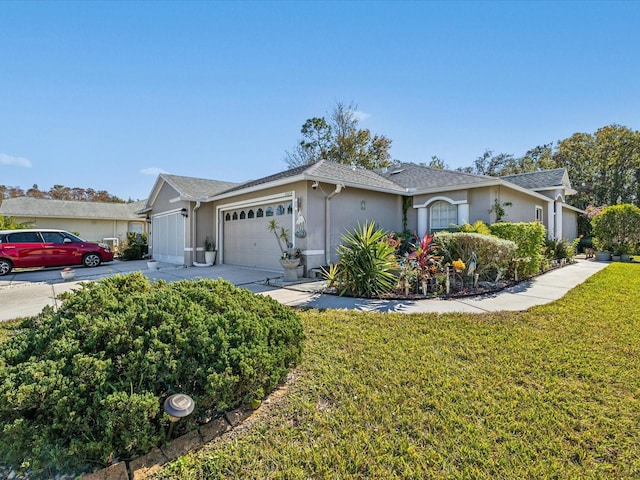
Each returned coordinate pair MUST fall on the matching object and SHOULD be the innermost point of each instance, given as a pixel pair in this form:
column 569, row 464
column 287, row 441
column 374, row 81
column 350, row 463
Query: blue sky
column 107, row 94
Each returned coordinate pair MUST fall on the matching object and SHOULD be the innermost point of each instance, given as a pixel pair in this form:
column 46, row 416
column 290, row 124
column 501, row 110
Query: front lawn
column 550, row 393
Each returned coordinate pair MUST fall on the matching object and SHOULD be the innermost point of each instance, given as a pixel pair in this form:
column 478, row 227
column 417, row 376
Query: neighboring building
column 321, row 202
column 93, row 221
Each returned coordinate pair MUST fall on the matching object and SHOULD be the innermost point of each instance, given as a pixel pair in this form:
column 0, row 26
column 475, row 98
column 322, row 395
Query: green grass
column 549, row 393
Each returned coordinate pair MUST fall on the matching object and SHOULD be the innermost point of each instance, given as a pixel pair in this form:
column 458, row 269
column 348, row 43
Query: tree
column 493, row 165
column 340, row 140
column 604, row 167
column 436, row 163
column 60, row 192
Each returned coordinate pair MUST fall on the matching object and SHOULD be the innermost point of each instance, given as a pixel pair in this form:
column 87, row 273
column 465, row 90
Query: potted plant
column 290, row 258
column 209, row 252
column 68, row 273
column 152, row 264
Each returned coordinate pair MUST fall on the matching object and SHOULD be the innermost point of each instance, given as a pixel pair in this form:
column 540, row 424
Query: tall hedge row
column 530, row 239
column 85, row 384
column 493, row 255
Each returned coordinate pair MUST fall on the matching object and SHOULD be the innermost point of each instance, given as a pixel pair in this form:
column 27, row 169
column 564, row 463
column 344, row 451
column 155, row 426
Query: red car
column 48, row 248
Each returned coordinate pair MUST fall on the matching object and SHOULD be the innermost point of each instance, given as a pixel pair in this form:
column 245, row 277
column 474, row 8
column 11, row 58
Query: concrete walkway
column 25, row 293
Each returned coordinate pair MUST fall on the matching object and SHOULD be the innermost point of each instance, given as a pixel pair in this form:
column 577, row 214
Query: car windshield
column 72, row 237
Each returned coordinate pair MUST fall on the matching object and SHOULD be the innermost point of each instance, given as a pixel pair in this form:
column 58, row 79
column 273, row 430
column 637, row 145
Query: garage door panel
column 248, row 241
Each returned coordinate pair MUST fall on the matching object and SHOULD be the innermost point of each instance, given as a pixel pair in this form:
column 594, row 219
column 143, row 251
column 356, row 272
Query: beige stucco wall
column 345, row 211
column 480, row 202
column 569, row 224
column 523, row 207
column 201, row 221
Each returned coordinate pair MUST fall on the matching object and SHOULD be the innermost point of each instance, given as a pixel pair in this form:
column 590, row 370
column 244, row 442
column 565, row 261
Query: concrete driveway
column 26, row 293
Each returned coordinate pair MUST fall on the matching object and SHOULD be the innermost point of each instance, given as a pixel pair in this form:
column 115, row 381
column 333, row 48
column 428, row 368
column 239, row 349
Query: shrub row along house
column 319, row 203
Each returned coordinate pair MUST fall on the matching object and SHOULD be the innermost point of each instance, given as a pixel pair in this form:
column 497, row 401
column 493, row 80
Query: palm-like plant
column 366, row 263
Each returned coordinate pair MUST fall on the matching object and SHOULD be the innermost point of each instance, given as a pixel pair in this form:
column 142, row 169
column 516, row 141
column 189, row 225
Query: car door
column 58, row 249
column 25, row 249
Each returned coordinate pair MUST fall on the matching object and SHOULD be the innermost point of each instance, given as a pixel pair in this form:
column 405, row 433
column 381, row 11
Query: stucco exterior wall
column 523, row 208
column 479, row 204
column 355, row 206
column 202, row 223
column 569, row 224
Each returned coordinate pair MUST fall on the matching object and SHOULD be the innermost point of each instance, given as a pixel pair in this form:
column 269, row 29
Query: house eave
column 304, row 177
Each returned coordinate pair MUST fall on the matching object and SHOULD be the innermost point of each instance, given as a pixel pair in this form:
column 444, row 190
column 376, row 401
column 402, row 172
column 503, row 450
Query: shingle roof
column 271, row 178
column 537, row 180
column 328, row 171
column 352, row 175
column 42, row 207
column 196, row 187
column 411, row 175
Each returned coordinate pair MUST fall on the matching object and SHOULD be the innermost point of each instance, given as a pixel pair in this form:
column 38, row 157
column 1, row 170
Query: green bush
column 530, row 238
column 617, row 228
column 492, row 254
column 135, row 247
column 86, row 383
column 560, row 249
column 367, row 261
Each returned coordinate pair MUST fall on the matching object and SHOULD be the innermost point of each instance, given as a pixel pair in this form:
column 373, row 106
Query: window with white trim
column 539, row 217
column 443, row 215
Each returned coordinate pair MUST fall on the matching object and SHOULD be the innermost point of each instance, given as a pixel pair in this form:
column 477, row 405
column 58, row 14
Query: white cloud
column 360, row 116
column 153, row 171
column 16, row 161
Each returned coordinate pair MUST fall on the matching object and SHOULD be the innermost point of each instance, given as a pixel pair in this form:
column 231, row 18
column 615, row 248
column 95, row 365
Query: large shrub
column 86, row 384
column 617, row 228
column 367, row 261
column 530, row 239
column 488, row 254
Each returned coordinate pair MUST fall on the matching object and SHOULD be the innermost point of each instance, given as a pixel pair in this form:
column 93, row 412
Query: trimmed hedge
column 530, row 239
column 85, row 384
column 493, row 254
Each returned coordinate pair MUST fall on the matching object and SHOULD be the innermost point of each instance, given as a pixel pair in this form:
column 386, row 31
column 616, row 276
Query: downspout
column 327, row 223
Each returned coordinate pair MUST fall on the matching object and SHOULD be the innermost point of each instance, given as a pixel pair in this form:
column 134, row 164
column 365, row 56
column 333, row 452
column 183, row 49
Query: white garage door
column 247, row 241
column 167, row 233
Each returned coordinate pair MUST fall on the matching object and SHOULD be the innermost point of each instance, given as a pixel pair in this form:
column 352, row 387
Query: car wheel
column 5, row 267
column 91, row 260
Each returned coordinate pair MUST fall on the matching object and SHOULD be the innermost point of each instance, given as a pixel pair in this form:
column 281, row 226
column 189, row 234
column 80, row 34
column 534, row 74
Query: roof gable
column 196, row 187
column 326, row 171
column 557, row 177
column 418, row 177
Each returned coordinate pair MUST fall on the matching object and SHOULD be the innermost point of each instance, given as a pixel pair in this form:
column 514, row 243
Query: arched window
column 251, row 214
column 227, row 217
column 242, row 215
column 290, row 208
column 235, row 216
column 269, row 212
column 280, row 210
column 260, row 213
column 443, row 215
